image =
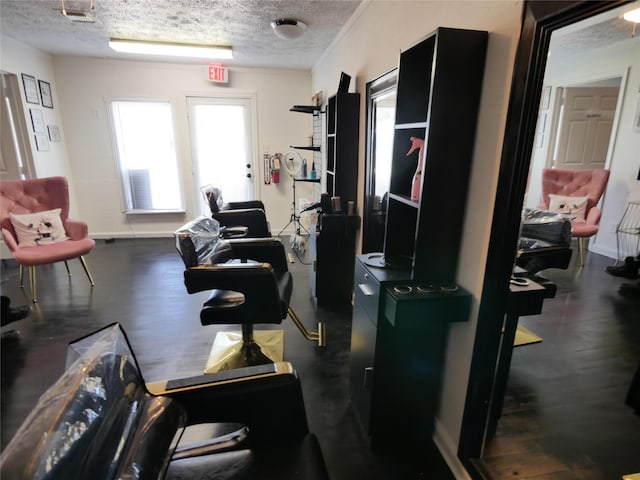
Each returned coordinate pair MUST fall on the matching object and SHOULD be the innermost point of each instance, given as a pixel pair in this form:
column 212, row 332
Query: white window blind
column 146, row 152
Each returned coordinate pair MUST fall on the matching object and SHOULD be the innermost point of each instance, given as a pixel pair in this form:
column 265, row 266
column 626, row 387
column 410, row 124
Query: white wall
column 85, row 85
column 623, row 186
column 369, row 47
column 85, row 155
column 18, row 58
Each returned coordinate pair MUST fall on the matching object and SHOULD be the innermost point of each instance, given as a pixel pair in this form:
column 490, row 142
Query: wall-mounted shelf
column 313, row 109
column 313, row 148
column 316, row 139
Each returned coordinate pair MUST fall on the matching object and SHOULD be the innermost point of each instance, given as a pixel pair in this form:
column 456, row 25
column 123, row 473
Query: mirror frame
column 383, row 83
column 539, row 20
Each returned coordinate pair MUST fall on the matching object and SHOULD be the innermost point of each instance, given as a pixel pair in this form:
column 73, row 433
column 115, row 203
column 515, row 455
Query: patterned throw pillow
column 573, row 208
column 40, row 228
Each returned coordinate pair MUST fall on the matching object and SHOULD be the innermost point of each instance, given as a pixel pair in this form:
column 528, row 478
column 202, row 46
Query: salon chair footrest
column 299, row 459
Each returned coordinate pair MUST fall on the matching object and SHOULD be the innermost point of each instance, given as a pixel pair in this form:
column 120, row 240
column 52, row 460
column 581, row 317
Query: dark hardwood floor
column 139, row 283
column 564, row 415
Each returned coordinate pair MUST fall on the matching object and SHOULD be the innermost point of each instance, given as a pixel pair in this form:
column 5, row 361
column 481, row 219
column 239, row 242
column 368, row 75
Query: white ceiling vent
column 77, row 10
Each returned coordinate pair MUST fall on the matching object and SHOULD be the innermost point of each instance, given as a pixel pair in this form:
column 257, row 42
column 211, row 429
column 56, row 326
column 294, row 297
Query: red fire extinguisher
column 275, row 168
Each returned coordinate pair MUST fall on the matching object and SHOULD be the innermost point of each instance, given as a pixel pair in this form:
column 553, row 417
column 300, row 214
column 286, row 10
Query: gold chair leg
column 86, row 270
column 319, row 336
column 32, row 283
column 581, row 250
column 32, row 276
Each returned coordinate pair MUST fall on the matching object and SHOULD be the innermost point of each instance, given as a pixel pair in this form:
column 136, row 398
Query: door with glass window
column 222, row 145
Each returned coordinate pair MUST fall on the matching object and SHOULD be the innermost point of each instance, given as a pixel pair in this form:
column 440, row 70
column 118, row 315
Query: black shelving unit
column 439, row 85
column 405, row 297
column 343, row 130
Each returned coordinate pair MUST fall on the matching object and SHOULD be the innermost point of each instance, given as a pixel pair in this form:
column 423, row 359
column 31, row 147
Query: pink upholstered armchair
column 558, row 183
column 36, row 228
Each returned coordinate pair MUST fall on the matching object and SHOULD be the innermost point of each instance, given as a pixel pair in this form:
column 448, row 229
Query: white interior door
column 16, row 159
column 222, row 147
column 585, row 128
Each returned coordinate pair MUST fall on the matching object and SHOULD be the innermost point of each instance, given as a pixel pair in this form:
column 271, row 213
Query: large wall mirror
column 381, row 107
column 533, row 140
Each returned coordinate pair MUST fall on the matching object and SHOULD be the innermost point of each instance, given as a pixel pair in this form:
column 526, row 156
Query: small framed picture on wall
column 45, row 93
column 42, row 143
column 37, row 121
column 30, row 89
column 54, row 133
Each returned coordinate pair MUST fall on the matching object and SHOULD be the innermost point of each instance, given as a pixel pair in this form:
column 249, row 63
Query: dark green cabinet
column 399, row 334
column 332, row 252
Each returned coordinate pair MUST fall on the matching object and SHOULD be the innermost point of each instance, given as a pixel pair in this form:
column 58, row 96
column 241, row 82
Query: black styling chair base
column 231, row 350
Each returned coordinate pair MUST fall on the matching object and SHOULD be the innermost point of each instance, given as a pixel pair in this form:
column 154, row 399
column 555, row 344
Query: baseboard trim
column 129, row 235
column 606, row 252
column 449, row 450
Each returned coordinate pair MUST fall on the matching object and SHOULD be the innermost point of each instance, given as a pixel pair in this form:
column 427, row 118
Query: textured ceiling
column 602, row 30
column 243, row 24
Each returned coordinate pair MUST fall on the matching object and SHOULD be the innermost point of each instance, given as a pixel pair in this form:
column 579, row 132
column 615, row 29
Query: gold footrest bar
column 319, row 336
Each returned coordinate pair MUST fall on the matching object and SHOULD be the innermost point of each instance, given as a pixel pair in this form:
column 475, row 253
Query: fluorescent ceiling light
column 170, row 49
column 632, row 15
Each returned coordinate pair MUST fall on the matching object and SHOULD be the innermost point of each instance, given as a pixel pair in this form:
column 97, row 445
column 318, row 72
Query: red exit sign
column 218, row 73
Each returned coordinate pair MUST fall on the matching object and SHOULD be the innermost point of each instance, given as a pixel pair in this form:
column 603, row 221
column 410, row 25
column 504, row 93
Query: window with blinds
column 146, row 151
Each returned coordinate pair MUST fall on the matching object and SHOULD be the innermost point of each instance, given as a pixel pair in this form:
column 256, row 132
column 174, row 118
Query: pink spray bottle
column 416, row 143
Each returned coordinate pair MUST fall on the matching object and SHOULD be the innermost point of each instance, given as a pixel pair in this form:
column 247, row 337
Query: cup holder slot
column 449, row 288
column 403, row 289
column 426, row 288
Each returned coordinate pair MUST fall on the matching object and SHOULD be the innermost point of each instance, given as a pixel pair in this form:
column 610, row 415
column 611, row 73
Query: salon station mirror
column 381, row 106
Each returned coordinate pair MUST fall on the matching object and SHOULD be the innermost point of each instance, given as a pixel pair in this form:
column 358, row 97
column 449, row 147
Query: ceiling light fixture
column 171, row 49
column 632, row 15
column 79, row 11
column 287, row 28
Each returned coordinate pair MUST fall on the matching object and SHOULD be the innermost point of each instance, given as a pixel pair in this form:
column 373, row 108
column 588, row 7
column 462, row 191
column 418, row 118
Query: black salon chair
column 102, row 420
column 250, row 283
column 249, row 214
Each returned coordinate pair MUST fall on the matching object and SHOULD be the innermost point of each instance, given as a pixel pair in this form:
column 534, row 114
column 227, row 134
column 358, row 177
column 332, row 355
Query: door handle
column 368, row 377
column 248, row 175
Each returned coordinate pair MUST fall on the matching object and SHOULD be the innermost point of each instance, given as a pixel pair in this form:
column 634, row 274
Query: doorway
column 586, row 117
column 16, row 158
column 222, row 139
column 576, row 129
